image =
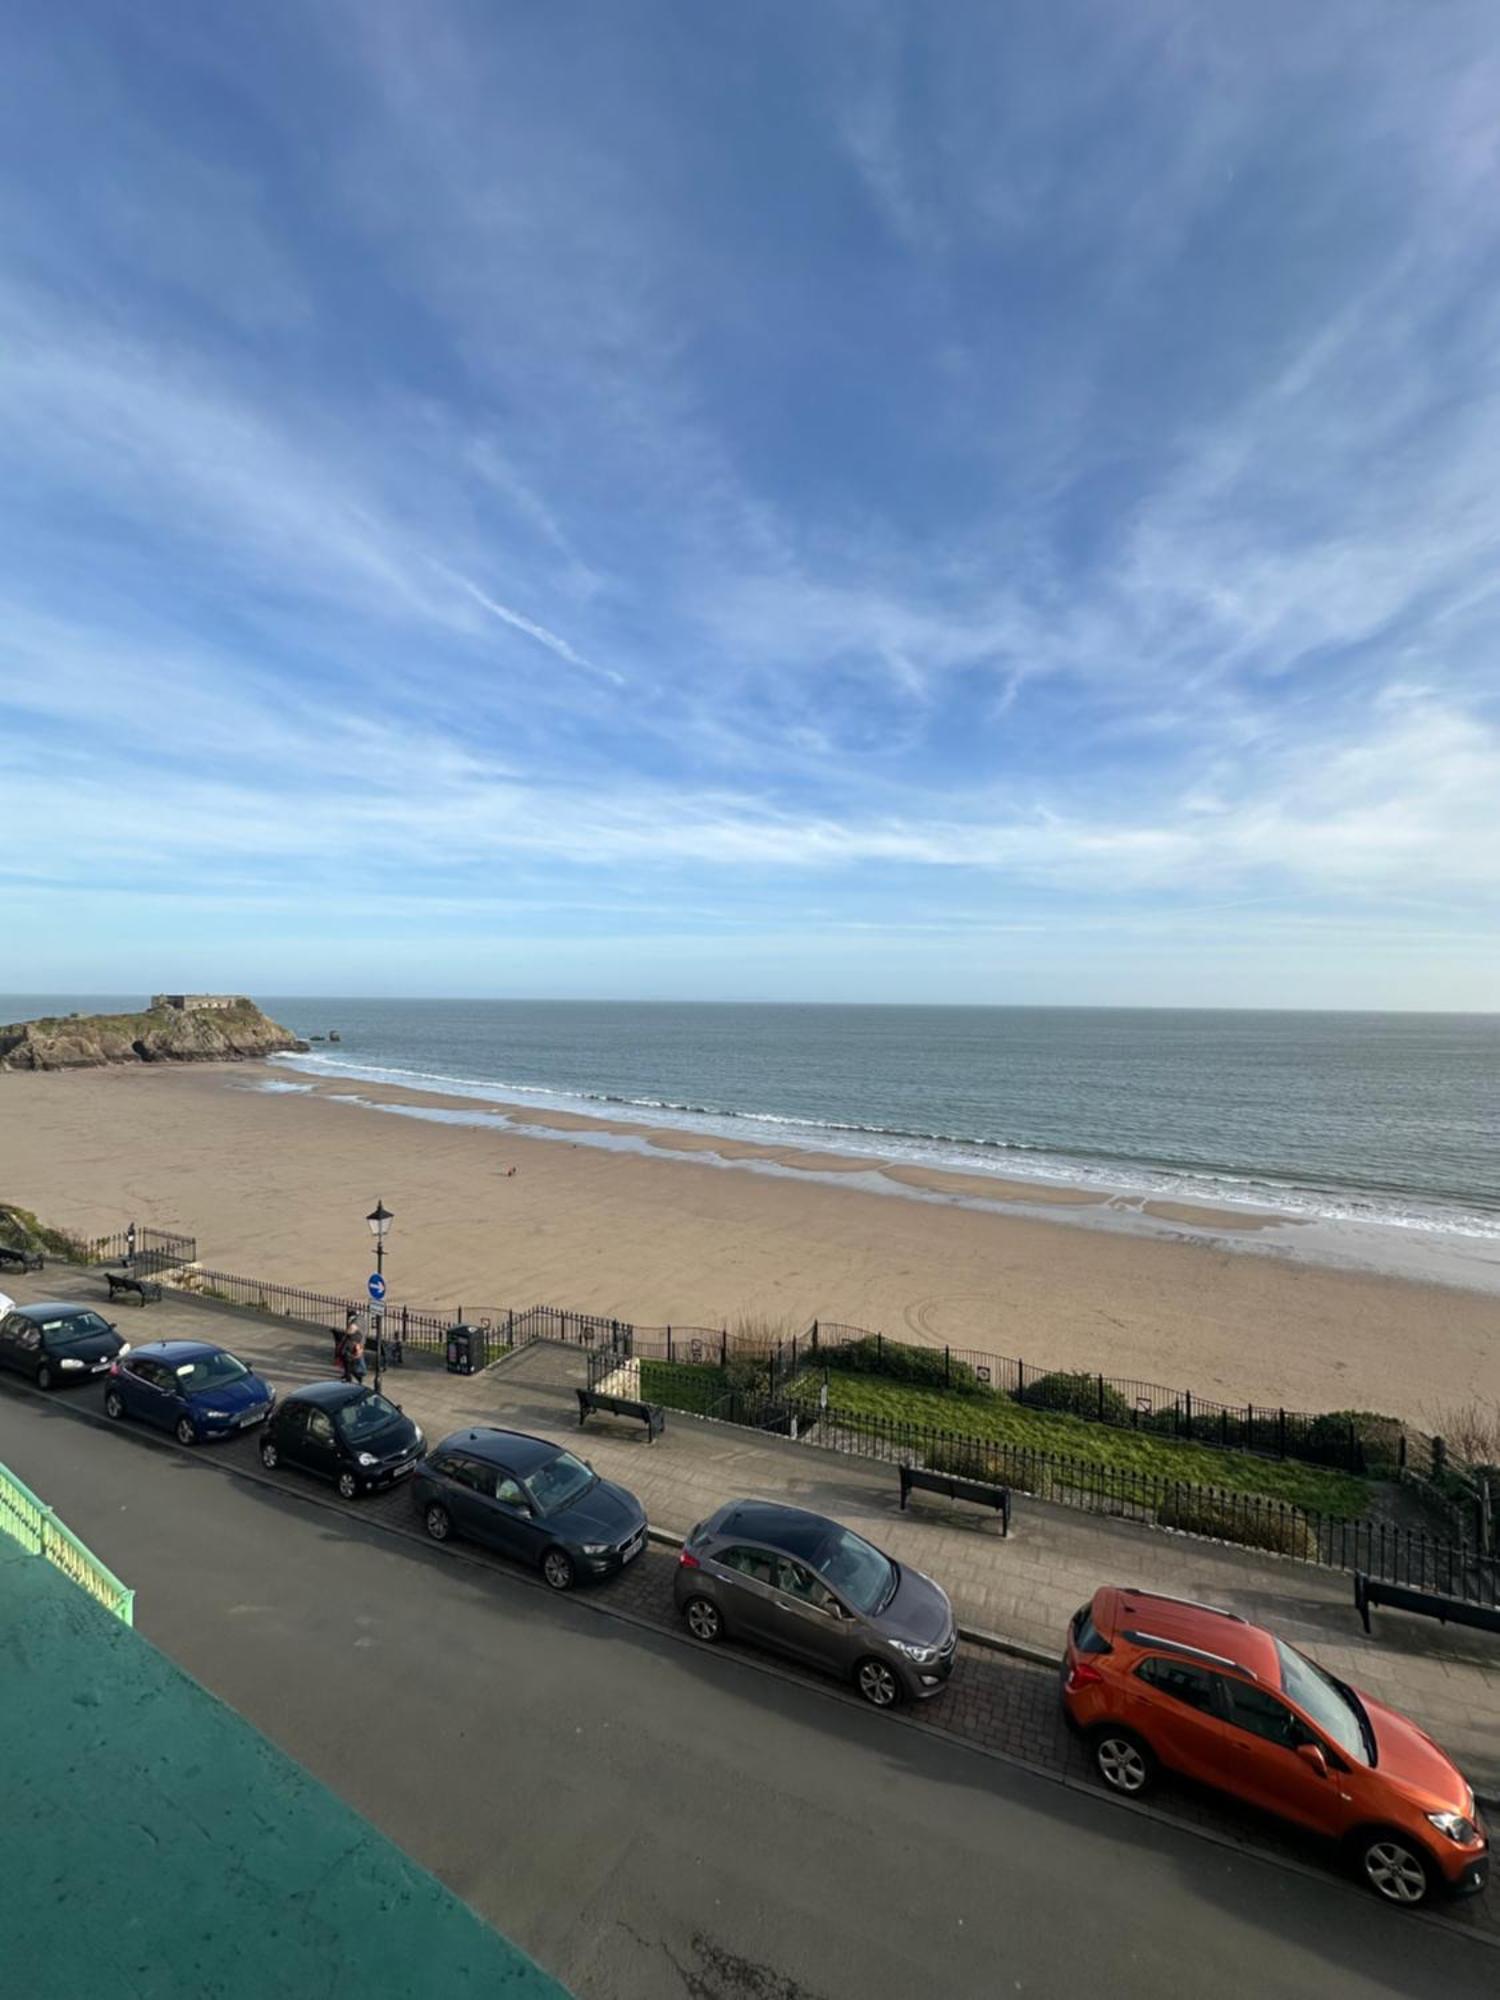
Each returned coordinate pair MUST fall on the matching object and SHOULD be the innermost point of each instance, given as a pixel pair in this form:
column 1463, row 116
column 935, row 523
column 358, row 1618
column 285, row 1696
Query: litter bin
column 466, row 1352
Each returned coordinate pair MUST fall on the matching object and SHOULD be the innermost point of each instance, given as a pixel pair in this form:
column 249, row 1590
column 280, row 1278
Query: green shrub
column 1378, row 1436
column 963, row 1458
column 20, row 1230
column 922, row 1367
column 1287, row 1532
column 1078, row 1395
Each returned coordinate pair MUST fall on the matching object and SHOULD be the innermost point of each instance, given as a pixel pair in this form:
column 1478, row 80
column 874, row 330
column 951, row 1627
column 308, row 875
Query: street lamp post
column 379, row 1219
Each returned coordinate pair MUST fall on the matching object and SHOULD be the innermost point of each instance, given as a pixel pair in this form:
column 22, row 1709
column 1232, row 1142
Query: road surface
column 652, row 1820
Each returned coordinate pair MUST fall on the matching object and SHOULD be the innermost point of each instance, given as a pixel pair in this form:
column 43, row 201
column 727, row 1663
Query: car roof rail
column 1196, row 1652
column 1196, row 1603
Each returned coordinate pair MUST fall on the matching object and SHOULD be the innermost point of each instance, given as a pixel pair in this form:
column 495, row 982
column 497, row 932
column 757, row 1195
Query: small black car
column 531, row 1499
column 345, row 1433
column 57, row 1343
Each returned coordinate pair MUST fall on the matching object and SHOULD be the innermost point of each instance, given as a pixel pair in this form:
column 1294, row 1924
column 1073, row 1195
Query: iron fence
column 1396, row 1554
column 145, row 1250
column 1121, row 1402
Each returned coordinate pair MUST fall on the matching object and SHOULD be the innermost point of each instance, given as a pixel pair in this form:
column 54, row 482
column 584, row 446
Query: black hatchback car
column 343, row 1432
column 530, row 1499
column 58, row 1343
column 782, row 1577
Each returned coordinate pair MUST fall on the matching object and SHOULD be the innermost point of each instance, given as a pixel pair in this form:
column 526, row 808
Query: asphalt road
column 650, row 1819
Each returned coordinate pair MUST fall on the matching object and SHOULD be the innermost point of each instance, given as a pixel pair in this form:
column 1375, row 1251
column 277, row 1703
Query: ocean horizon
column 1388, row 1119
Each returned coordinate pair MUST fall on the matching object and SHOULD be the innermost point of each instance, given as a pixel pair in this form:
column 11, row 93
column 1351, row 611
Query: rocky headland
column 221, row 1029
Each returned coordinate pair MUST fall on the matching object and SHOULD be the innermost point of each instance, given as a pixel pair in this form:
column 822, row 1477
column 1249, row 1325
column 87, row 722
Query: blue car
column 188, row 1387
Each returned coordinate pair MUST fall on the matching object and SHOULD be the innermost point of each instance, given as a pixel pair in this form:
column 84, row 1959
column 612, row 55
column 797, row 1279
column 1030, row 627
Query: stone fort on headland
column 197, row 1003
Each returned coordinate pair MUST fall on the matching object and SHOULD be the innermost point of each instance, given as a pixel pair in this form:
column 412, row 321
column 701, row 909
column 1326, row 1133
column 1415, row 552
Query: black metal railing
column 145, row 1250
column 1121, row 1402
column 1397, row 1554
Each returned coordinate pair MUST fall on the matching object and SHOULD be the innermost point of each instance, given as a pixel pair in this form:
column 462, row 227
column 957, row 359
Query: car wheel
column 114, row 1404
column 704, row 1620
column 270, row 1457
column 1394, row 1867
column 186, row 1432
column 1123, row 1762
column 347, row 1486
column 44, row 1377
column 557, row 1568
column 439, row 1523
column 878, row 1682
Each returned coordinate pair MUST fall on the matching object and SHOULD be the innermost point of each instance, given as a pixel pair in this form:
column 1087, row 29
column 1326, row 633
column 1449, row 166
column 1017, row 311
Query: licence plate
column 400, row 1471
column 252, row 1417
column 97, row 1367
column 632, row 1550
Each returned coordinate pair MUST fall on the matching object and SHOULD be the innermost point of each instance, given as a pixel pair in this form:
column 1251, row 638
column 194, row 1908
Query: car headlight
column 596, row 1548
column 216, row 1416
column 124, row 1348
column 70, row 1364
column 1456, row 1826
column 921, row 1656
column 368, row 1458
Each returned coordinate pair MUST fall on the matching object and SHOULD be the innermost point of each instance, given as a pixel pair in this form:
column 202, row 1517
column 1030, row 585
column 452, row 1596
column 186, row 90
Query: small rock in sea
column 334, row 1035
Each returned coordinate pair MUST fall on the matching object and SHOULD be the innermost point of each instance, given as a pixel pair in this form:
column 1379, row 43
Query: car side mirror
column 1312, row 1755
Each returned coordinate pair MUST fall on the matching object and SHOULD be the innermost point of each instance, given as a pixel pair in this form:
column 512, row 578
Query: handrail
column 33, row 1524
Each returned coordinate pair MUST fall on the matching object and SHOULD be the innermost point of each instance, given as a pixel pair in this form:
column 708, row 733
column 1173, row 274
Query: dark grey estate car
column 530, row 1499
column 809, row 1587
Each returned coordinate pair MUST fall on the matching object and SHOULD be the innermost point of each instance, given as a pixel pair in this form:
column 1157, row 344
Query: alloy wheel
column 113, row 1406
column 558, row 1569
column 704, row 1620
column 348, row 1486
column 44, row 1377
column 268, row 1454
column 1121, row 1764
column 185, row 1432
column 1394, row 1872
column 877, row 1683
column 438, row 1524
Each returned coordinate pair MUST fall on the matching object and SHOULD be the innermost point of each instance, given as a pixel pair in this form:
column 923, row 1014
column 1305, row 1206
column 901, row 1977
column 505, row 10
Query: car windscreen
column 66, row 1328
column 208, row 1371
column 858, row 1572
column 372, row 1413
column 557, row 1482
column 1336, row 1710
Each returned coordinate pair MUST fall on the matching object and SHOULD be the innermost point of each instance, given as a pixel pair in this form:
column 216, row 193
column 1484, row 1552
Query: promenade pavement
column 1021, row 1589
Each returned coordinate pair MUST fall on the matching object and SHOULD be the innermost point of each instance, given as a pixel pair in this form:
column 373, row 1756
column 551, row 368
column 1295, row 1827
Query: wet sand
column 276, row 1183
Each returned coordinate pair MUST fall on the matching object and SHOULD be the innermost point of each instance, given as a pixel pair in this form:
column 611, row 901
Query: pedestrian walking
column 351, row 1344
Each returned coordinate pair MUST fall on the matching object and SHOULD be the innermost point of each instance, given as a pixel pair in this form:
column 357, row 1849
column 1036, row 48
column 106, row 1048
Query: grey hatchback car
column 809, row 1587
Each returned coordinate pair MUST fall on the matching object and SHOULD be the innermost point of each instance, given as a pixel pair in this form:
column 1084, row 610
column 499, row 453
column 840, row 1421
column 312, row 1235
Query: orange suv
column 1154, row 1681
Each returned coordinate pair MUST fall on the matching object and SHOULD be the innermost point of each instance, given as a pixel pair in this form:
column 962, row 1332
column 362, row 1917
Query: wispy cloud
column 1048, row 467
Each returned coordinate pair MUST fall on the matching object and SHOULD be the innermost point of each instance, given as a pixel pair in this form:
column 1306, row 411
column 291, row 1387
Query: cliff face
column 161, row 1034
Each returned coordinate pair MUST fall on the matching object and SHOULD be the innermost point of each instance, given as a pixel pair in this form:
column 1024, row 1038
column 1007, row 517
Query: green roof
column 155, row 1844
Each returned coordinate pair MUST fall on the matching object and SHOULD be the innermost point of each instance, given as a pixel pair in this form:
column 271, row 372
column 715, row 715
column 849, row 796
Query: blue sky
column 849, row 502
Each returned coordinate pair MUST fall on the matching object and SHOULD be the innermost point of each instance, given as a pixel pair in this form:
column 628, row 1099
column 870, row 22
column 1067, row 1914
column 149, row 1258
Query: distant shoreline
column 1336, row 1243
column 494, row 1210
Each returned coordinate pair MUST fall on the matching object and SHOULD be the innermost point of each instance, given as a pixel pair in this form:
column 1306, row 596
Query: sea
column 1383, row 1123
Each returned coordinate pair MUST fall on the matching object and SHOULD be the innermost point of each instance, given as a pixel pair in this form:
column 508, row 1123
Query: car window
column 151, row 1373
column 462, row 1471
column 800, row 1583
column 1263, row 1715
column 506, row 1490
column 319, row 1429
column 757, row 1563
column 1187, row 1684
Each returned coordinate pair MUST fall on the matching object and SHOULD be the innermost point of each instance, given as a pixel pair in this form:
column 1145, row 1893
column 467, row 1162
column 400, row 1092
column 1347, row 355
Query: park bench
column 146, row 1290
column 12, row 1259
column 652, row 1415
column 983, row 1492
column 1369, row 1590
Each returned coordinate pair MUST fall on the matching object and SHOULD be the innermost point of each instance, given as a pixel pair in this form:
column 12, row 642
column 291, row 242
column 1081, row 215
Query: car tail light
column 687, row 1560
column 1082, row 1675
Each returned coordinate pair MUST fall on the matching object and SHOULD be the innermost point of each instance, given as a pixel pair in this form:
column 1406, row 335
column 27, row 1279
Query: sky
column 850, row 502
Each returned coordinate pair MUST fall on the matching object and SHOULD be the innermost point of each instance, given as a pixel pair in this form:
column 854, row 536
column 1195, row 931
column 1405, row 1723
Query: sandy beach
column 276, row 1182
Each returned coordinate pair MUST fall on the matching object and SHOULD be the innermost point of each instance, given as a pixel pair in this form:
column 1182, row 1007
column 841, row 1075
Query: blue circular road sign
column 377, row 1286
